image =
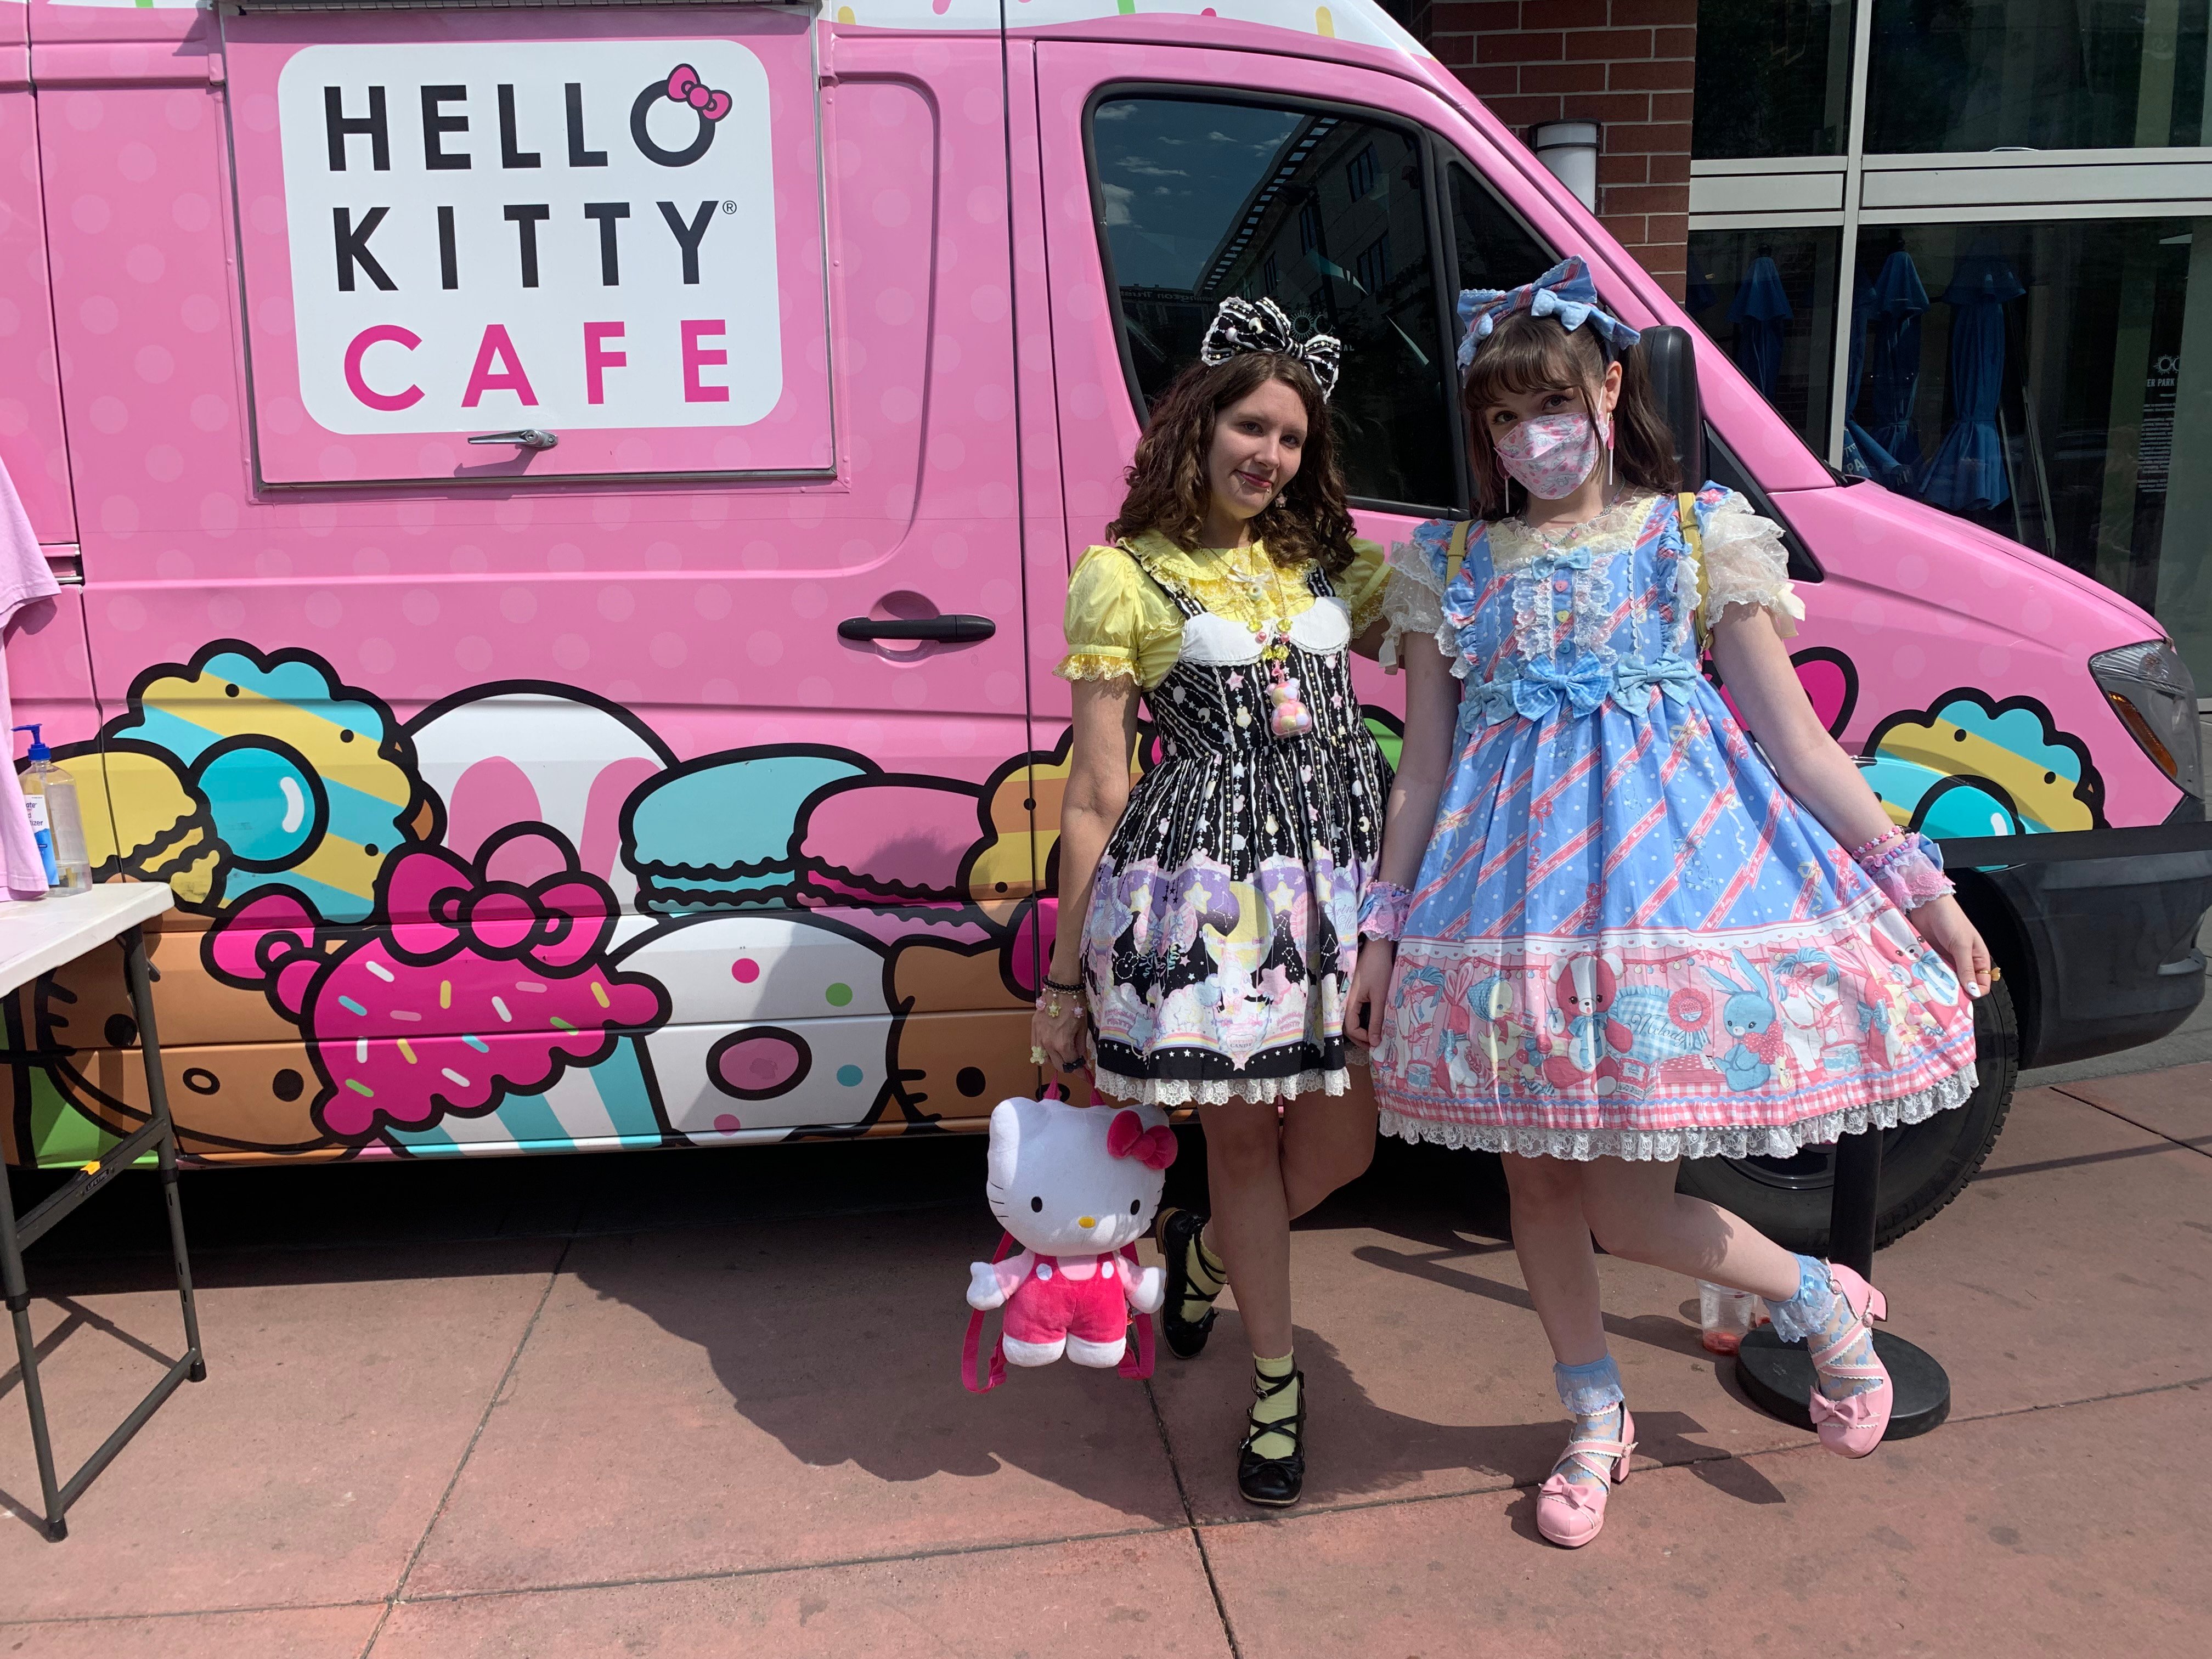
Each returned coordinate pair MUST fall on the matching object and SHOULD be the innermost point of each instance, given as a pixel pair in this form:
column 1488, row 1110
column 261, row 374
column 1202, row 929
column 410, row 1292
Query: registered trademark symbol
column 729, row 207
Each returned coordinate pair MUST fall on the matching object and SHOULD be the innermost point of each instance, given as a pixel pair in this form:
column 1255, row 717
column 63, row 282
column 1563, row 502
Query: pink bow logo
column 684, row 87
column 1128, row 1137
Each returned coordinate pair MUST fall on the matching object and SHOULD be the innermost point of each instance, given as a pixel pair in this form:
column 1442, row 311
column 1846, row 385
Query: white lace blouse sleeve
column 1412, row 603
column 1745, row 564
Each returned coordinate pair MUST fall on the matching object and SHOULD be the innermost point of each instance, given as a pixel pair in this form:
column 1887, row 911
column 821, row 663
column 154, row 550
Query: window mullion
column 1847, row 263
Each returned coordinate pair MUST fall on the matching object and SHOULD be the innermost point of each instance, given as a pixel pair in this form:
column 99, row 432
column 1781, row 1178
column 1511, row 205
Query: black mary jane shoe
column 1179, row 1231
column 1275, row 1482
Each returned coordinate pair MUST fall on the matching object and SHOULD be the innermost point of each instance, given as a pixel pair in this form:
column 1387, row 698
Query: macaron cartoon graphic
column 777, row 1020
column 721, row 831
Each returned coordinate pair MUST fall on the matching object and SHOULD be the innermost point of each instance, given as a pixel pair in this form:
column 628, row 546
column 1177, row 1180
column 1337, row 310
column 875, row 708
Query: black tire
column 1923, row 1165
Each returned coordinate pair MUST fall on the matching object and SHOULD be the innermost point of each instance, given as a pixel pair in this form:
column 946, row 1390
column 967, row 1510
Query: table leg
column 165, row 1148
column 27, row 1351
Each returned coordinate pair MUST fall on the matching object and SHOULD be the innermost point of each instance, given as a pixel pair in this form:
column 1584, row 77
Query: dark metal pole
column 165, row 1147
column 1857, row 1202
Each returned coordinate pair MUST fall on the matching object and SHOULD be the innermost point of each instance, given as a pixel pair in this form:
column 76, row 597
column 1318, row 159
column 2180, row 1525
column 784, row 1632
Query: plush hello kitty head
column 1074, row 1181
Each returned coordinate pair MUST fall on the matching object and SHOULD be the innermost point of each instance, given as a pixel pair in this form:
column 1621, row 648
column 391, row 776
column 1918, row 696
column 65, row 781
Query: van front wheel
column 1923, row 1165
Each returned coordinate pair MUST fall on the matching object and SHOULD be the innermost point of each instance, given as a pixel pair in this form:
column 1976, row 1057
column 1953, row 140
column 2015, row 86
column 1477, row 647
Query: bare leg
column 1250, row 1228
column 1552, row 1241
column 1635, row 1212
column 1327, row 1140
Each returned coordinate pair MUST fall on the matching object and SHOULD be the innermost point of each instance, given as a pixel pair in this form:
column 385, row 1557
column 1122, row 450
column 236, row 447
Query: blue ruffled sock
column 1593, row 1394
column 1817, row 1315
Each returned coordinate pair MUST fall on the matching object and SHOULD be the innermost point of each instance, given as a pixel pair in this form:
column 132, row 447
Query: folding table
column 36, row 937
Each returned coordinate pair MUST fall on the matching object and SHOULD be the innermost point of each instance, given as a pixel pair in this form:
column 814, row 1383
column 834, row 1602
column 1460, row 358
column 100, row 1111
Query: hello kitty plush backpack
column 1076, row 1188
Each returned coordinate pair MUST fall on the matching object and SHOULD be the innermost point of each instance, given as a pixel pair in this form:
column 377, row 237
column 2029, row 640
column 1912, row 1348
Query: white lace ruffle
column 1216, row 1091
column 1413, row 603
column 1745, row 564
column 1648, row 1146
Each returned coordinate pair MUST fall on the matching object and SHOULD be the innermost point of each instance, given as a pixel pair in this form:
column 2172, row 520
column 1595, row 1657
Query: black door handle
column 957, row 630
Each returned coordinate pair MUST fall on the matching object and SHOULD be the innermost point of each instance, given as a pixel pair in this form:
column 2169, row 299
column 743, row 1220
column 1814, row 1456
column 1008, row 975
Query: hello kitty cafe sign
column 589, row 237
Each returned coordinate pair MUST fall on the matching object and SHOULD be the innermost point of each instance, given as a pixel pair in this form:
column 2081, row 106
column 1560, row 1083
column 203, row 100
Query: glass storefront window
column 2040, row 379
column 1774, row 78
column 1767, row 298
column 1982, row 75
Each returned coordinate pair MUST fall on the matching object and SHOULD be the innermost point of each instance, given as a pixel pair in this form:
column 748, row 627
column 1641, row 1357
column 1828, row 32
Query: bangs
column 1528, row 353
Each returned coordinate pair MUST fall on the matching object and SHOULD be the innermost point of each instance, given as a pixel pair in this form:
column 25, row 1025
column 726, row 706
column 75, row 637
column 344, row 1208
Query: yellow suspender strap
column 1688, row 507
column 1457, row 555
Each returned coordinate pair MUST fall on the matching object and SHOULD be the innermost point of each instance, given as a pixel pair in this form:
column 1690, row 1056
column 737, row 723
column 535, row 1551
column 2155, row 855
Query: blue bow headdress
column 1564, row 291
column 1242, row 325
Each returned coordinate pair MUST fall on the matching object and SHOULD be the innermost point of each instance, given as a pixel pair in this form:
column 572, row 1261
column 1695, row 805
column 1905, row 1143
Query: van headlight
column 2151, row 691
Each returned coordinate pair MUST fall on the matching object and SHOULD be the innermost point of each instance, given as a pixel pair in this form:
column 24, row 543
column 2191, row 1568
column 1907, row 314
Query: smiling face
column 1257, row 444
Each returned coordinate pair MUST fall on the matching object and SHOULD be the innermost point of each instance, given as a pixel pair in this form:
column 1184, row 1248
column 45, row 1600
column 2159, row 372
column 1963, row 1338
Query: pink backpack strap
column 974, row 1342
column 1136, row 1361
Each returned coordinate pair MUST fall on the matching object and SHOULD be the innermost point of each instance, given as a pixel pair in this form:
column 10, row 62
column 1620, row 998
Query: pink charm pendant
column 1291, row 718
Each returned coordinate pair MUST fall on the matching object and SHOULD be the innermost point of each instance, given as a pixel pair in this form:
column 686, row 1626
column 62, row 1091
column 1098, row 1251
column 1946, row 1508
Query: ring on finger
column 1996, row 974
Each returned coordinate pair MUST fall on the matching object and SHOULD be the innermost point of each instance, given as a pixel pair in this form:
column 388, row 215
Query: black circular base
column 1779, row 1378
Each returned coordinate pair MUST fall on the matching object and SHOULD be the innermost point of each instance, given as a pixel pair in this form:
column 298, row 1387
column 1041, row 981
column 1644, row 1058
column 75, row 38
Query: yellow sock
column 1274, row 1407
column 1207, row 1274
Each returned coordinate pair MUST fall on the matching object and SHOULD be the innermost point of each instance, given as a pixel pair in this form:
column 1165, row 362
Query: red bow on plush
column 684, row 87
column 1128, row 1137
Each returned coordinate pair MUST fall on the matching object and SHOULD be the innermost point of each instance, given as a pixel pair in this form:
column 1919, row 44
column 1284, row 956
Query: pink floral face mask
column 1550, row 454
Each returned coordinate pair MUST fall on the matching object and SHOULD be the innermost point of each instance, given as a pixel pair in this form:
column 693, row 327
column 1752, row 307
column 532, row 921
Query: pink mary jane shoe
column 1853, row 1426
column 1571, row 1512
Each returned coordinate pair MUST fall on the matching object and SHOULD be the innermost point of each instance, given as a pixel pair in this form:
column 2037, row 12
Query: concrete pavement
column 706, row 1405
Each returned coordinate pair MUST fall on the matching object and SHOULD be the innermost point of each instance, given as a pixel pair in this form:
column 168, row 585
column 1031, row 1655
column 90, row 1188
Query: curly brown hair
column 1534, row 354
column 1168, row 488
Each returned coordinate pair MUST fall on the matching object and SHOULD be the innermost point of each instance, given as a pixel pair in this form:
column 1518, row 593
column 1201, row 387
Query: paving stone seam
column 445, row 1497
column 2114, row 1111
column 1190, row 1522
column 1304, row 1511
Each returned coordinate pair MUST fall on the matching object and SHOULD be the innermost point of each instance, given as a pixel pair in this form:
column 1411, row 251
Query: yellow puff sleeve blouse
column 1120, row 622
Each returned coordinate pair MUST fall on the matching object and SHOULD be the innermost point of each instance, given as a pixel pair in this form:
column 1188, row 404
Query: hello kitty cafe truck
column 565, row 513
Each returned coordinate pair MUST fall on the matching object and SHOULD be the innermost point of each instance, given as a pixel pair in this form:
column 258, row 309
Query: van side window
column 1493, row 247
column 1317, row 209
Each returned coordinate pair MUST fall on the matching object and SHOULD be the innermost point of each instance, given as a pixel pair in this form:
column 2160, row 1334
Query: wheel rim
column 1812, row 1169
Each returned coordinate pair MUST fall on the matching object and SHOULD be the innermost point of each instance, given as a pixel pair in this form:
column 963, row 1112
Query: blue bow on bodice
column 1539, row 691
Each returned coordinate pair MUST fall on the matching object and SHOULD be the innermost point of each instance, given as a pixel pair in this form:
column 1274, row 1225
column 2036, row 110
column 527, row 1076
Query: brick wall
column 1627, row 65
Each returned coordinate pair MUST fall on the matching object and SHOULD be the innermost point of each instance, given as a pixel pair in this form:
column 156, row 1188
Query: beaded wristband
column 1909, row 873
column 1862, row 853
column 1383, row 911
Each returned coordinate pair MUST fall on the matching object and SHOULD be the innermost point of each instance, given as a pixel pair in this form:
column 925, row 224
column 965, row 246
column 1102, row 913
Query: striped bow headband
column 1242, row 325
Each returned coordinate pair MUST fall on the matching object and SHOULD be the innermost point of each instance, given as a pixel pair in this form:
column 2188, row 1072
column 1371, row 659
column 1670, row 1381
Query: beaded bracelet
column 1862, row 853
column 1383, row 911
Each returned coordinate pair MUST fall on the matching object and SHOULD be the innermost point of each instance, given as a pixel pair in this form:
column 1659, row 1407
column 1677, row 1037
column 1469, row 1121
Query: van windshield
column 1320, row 211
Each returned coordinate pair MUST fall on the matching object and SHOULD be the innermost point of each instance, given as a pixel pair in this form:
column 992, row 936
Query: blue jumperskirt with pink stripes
column 1626, row 939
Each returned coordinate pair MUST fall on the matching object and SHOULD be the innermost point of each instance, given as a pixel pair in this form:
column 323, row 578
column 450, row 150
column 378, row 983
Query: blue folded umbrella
column 1758, row 311
column 1893, row 360
column 1967, row 471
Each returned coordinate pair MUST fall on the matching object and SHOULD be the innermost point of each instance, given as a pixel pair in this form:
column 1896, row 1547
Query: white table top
column 39, row 935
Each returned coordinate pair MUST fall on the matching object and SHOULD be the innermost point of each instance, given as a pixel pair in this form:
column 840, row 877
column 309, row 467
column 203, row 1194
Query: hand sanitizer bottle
column 56, row 824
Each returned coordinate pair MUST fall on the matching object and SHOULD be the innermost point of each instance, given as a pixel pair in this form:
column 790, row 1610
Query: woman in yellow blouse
column 1220, row 896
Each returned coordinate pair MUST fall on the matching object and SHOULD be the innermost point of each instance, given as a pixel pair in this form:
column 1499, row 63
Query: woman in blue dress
column 1609, row 932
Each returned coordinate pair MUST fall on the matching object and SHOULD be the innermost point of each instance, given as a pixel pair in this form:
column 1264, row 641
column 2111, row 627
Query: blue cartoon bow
column 1635, row 682
column 1564, row 291
column 1538, row 691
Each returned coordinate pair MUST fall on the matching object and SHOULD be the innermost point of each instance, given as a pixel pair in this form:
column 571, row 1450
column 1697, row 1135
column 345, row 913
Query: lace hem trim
column 1090, row 665
column 1216, row 1091
column 1648, row 1146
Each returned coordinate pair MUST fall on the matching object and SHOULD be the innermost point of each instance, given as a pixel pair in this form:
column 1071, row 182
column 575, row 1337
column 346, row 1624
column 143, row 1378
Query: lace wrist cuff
column 1383, row 911
column 1908, row 870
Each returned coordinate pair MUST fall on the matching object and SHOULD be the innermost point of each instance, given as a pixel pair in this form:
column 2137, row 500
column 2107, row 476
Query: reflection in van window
column 1319, row 211
column 1494, row 249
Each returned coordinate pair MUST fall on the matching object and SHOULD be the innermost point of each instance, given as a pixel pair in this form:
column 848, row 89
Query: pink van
column 566, row 510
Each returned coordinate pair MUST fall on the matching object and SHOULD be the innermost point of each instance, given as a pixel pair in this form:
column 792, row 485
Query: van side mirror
column 1673, row 361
